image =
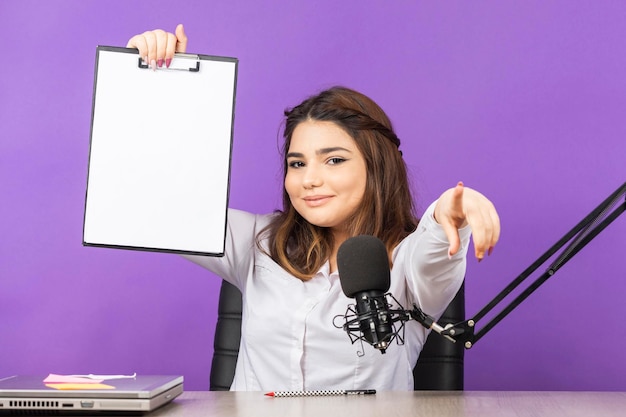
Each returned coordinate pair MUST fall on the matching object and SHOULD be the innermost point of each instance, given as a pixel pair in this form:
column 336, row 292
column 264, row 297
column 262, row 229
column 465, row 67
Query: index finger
column 175, row 43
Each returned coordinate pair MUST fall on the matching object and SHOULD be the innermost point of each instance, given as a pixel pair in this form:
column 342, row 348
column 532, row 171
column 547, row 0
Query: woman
column 343, row 176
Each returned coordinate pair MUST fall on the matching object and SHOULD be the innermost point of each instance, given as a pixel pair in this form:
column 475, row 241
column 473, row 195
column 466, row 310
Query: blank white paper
column 160, row 151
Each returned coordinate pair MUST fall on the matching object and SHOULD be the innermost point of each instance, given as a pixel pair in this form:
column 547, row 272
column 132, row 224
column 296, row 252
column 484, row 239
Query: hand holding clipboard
column 158, row 47
column 162, row 184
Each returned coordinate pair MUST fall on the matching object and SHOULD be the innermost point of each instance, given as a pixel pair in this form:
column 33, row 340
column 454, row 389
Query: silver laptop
column 140, row 394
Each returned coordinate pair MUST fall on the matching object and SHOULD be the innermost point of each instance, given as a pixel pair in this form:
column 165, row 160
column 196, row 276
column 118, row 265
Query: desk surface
column 400, row 404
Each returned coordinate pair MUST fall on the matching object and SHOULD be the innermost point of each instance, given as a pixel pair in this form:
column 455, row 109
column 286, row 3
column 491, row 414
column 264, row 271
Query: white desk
column 400, row 404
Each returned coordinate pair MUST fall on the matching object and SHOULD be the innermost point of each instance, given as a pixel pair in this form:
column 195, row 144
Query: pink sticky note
column 68, row 379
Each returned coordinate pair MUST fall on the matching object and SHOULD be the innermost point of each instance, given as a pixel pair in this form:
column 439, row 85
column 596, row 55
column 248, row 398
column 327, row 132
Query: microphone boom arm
column 585, row 231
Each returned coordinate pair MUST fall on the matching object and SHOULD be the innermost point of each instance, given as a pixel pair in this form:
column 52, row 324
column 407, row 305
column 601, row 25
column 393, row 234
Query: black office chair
column 440, row 365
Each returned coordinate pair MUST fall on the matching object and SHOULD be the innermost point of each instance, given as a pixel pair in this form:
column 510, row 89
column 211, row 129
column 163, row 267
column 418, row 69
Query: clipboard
column 160, row 153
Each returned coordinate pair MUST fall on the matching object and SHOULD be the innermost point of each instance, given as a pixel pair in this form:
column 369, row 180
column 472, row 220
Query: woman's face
column 326, row 173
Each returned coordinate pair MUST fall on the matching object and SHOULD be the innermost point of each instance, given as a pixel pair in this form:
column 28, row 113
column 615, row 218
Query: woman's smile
column 317, row 200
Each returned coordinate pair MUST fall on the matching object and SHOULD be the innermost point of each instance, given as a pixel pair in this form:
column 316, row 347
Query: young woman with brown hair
column 344, row 175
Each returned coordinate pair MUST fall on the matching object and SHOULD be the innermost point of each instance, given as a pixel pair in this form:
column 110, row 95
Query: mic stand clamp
column 463, row 331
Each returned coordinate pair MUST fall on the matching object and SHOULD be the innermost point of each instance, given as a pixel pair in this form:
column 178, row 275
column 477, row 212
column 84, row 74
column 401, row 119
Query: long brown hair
column 387, row 209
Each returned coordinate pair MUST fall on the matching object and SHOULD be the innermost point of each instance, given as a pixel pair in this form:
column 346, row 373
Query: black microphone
column 364, row 274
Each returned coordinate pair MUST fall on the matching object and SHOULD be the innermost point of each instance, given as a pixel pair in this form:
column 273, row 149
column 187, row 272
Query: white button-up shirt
column 288, row 338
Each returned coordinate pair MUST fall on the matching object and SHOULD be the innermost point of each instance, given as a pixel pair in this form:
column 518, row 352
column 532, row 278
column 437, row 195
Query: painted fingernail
column 153, row 65
column 490, row 251
column 168, row 62
column 160, row 63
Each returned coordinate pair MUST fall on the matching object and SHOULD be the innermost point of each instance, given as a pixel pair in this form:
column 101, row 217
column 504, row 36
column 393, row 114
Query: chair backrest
column 440, row 365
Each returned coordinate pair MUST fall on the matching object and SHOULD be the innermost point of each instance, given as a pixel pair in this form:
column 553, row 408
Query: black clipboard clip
column 174, row 67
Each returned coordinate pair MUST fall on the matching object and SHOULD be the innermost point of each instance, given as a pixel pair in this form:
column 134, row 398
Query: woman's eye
column 295, row 164
column 335, row 161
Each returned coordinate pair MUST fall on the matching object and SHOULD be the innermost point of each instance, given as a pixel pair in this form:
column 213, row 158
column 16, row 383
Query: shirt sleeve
column 433, row 278
column 239, row 251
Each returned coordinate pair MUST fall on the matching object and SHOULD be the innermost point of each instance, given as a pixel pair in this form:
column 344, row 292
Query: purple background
column 524, row 101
